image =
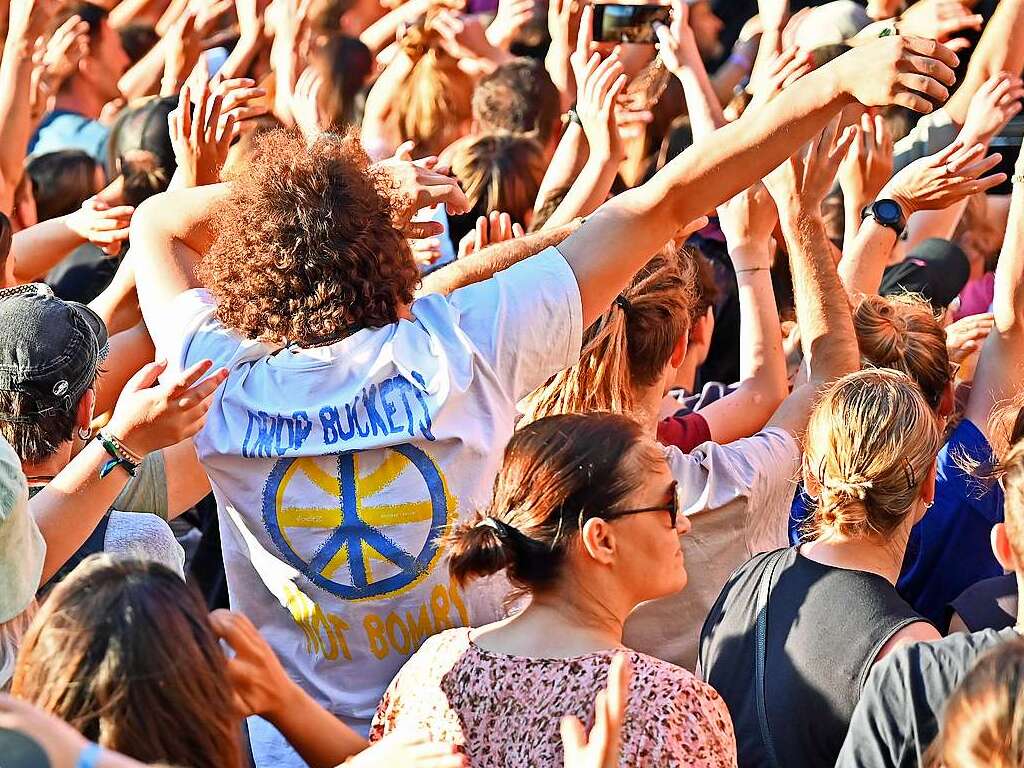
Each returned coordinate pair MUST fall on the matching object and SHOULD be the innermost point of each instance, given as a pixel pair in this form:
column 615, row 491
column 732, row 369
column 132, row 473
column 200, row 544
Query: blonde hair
column 902, row 333
column 629, row 345
column 983, row 722
column 436, row 98
column 871, row 442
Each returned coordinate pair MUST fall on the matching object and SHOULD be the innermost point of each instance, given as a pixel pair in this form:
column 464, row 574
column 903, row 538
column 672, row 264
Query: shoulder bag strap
column 763, row 591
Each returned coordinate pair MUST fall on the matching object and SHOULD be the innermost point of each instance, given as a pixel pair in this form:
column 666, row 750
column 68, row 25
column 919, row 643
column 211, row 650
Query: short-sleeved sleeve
column 878, row 735
column 190, row 331
column 527, row 321
column 700, row 731
column 761, row 469
column 685, row 431
column 144, row 537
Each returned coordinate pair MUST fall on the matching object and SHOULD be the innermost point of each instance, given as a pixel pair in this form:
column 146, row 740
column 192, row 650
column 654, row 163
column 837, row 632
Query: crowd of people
column 445, row 383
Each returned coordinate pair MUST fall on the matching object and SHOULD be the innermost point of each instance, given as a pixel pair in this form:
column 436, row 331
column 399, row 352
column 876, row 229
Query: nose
column 683, row 524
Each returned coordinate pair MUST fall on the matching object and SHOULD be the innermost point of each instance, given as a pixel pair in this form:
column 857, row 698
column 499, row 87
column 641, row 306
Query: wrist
column 904, row 200
column 287, row 704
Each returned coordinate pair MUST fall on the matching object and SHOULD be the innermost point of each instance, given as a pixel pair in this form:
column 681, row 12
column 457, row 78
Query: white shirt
column 338, row 469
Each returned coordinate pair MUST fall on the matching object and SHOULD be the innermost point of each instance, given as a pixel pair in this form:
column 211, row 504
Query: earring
column 929, row 504
column 84, row 434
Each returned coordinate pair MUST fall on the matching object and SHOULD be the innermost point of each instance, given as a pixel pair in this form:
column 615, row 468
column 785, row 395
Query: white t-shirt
column 337, row 469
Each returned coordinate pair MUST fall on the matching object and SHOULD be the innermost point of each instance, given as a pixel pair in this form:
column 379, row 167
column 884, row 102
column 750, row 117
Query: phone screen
column 622, row 23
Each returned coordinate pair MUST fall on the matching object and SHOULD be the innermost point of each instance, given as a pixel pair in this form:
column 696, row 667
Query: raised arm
column 39, row 248
column 748, row 220
column 1000, row 49
column 931, row 183
column 625, row 232
column 484, row 263
column 1000, row 370
column 822, row 309
column 28, row 20
column 599, row 84
column 147, row 418
column 682, row 58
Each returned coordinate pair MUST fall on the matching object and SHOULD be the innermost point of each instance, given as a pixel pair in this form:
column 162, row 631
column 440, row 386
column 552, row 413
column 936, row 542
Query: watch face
column 888, row 212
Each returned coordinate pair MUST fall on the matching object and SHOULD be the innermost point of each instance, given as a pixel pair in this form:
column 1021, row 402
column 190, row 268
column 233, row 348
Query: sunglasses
column 672, row 507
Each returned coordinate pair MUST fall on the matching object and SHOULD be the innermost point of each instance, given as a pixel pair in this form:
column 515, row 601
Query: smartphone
column 628, row 23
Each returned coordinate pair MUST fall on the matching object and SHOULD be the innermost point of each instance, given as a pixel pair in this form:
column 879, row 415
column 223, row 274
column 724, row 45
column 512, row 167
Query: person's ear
column 1002, row 550
column 598, row 541
column 86, row 406
column 927, row 492
column 678, row 352
column 947, row 402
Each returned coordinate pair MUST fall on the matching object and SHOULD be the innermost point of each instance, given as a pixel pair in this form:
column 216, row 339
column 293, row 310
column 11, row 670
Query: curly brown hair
column 305, row 251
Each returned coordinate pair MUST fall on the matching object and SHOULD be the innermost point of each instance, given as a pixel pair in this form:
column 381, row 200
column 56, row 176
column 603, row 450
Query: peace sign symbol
column 359, row 524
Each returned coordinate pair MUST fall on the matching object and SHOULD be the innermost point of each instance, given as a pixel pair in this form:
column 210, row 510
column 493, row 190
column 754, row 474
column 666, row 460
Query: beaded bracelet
column 119, row 455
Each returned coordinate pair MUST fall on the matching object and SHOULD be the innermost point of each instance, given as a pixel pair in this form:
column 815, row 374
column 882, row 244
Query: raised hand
column 65, row 49
column 183, row 48
column 241, row 100
column 750, row 217
column 677, row 45
column 305, row 104
column 495, row 228
column 802, row 182
column 150, row 416
column 102, row 225
column 512, row 15
column 868, row 164
column 783, row 70
column 413, row 186
column 601, row 749
column 201, row 141
column 30, row 19
column 598, row 85
column 966, row 335
column 940, row 180
column 995, row 104
column 261, row 685
column 941, row 20
column 909, row 71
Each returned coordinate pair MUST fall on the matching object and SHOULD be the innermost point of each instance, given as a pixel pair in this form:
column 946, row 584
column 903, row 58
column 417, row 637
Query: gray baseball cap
column 22, row 547
column 50, row 350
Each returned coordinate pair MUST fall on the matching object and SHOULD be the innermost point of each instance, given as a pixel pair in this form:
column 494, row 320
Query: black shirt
column 825, row 628
column 898, row 715
column 989, row 604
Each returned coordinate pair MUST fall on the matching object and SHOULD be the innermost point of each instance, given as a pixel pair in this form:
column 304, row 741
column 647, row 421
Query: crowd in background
column 456, row 382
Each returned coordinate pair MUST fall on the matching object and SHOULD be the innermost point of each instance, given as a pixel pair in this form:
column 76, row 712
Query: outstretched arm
column 625, row 232
column 1001, row 365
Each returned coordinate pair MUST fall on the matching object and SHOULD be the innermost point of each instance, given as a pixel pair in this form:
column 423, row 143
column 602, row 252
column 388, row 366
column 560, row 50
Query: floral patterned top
column 505, row 710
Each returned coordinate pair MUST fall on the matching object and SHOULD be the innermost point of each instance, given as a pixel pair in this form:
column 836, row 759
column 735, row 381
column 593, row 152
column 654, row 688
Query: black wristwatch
column 886, row 213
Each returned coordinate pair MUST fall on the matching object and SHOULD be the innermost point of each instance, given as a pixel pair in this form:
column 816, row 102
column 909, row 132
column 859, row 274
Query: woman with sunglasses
column 585, row 522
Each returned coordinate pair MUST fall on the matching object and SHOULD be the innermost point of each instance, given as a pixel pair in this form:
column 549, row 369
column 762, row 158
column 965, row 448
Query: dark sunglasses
column 672, row 507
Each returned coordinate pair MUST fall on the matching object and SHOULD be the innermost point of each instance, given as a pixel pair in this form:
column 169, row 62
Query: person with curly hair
column 358, row 425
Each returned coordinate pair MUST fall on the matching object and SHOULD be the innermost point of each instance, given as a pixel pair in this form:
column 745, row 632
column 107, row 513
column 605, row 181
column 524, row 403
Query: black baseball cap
column 936, row 269
column 50, row 349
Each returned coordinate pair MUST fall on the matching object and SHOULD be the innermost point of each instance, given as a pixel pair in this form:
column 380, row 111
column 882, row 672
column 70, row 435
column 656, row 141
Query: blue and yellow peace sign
column 359, row 524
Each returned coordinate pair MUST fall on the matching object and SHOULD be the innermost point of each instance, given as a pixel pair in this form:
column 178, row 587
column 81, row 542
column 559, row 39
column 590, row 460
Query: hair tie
column 624, row 303
column 500, row 527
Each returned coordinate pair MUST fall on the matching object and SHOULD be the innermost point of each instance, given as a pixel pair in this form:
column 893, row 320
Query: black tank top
column 825, row 628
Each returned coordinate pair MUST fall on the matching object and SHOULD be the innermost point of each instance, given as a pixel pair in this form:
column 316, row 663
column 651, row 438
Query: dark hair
column 517, row 97
column 305, row 248
column 557, row 473
column 93, row 15
column 325, row 15
column 123, row 651
column 61, row 182
column 137, row 40
column 345, row 64
column 40, row 438
column 140, row 147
